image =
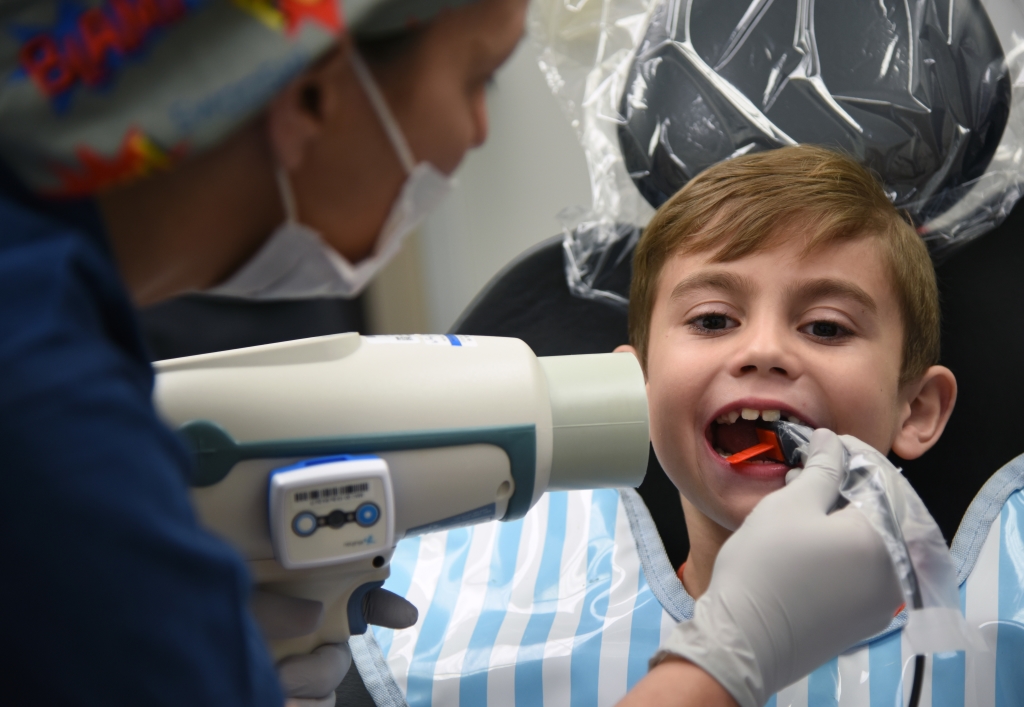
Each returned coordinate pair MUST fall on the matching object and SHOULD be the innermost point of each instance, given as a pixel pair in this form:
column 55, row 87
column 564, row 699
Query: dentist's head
column 260, row 148
column 364, row 144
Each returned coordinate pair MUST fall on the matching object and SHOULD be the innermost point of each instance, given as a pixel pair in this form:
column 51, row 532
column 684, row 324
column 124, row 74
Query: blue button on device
column 304, row 524
column 367, row 514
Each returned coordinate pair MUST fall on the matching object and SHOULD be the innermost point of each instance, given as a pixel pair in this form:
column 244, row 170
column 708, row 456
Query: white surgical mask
column 297, row 263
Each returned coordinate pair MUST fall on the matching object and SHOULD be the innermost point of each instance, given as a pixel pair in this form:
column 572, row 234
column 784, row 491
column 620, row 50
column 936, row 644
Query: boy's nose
column 753, row 367
column 764, row 351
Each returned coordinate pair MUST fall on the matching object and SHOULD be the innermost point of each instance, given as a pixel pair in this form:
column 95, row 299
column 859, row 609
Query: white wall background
column 509, row 194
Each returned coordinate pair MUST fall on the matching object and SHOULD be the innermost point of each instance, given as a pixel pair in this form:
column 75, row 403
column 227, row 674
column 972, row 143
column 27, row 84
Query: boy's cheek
column 868, row 420
column 727, row 507
column 672, row 429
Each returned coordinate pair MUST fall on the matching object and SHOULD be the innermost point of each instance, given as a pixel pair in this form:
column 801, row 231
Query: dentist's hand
column 310, row 680
column 793, row 587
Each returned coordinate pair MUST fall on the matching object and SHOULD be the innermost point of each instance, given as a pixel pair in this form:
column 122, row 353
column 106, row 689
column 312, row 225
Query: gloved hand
column 310, row 680
column 793, row 587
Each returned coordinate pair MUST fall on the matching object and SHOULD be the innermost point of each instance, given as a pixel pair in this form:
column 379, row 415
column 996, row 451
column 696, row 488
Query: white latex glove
column 792, row 588
column 311, row 680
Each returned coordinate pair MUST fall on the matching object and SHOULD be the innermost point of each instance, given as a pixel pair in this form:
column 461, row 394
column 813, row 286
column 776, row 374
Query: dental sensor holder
column 919, row 554
column 768, row 445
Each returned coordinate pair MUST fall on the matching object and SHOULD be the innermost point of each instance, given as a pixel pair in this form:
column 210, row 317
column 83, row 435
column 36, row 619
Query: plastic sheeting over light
column 923, row 92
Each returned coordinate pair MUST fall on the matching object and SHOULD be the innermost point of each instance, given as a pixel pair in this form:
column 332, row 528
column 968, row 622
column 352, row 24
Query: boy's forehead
column 858, row 261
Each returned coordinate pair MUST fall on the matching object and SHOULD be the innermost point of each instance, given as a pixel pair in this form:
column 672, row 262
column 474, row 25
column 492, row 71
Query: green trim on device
column 216, row 452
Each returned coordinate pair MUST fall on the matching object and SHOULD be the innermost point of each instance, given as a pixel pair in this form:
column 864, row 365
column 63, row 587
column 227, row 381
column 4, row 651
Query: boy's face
column 817, row 338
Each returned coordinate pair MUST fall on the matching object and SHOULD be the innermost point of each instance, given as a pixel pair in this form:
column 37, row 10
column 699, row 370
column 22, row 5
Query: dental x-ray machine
column 315, row 457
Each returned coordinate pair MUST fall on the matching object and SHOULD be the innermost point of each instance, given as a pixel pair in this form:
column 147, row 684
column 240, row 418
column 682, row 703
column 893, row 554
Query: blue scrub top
column 110, row 593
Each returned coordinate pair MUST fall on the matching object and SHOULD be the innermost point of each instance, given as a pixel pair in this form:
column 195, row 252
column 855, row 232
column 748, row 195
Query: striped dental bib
column 566, row 606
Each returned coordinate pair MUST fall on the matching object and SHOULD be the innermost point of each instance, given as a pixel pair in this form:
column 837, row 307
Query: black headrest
column 921, row 100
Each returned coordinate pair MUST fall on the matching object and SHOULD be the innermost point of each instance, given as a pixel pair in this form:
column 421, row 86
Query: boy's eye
column 826, row 330
column 714, row 321
column 711, row 322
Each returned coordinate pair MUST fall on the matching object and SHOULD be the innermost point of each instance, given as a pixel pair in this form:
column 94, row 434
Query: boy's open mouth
column 736, row 430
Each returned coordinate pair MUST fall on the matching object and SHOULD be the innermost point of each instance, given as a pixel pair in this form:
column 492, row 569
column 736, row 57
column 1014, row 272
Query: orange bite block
column 769, row 445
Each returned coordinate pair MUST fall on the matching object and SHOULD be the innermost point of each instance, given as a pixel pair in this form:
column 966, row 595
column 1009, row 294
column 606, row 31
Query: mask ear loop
column 284, row 189
column 380, row 107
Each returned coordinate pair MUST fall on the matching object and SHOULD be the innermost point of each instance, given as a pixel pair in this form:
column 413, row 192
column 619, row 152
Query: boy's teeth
column 721, row 452
column 728, row 418
column 794, row 419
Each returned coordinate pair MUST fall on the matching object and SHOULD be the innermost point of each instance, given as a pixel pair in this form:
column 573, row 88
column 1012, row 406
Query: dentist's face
column 344, row 171
column 815, row 338
column 437, row 88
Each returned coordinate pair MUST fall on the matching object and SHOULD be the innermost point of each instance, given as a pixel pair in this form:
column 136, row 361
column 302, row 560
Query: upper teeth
column 750, row 414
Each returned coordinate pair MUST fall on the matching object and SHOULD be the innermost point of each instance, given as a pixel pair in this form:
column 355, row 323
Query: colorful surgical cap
column 94, row 93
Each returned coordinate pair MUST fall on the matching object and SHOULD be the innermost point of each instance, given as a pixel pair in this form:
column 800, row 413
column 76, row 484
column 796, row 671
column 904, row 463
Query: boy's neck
column 706, row 539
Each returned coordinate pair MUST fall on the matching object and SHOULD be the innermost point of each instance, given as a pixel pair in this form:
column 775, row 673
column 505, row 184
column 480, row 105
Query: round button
column 304, row 524
column 336, row 518
column 367, row 514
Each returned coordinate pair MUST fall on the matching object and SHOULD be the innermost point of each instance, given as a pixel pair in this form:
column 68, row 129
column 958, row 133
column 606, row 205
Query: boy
column 782, row 283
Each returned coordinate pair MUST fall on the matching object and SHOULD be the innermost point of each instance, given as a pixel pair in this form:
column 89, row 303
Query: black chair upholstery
column 982, row 292
column 197, row 324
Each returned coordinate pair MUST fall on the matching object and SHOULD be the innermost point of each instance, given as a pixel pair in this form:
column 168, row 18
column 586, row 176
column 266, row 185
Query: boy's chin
column 733, row 509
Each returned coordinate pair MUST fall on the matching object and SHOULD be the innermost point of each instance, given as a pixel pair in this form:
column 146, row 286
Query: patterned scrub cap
column 94, row 93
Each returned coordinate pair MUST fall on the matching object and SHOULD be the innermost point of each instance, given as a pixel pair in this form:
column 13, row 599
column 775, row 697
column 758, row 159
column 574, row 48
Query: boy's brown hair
column 741, row 206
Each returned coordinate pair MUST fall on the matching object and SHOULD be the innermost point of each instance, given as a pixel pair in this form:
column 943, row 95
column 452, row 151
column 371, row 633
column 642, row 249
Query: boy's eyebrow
column 710, row 280
column 828, row 287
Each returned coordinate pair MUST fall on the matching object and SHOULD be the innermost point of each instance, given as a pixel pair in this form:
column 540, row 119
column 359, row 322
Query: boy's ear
column 926, row 407
column 626, row 348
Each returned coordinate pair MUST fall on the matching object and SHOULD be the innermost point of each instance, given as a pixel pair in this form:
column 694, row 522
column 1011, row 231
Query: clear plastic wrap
column 919, row 554
column 924, row 92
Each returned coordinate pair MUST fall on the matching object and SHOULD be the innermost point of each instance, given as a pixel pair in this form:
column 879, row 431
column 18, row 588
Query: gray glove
column 310, row 680
column 387, row 609
column 793, row 587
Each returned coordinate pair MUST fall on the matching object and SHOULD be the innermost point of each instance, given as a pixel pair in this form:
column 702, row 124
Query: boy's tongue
column 736, row 437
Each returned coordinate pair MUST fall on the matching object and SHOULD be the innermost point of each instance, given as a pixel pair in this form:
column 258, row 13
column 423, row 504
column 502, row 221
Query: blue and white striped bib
column 565, row 606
